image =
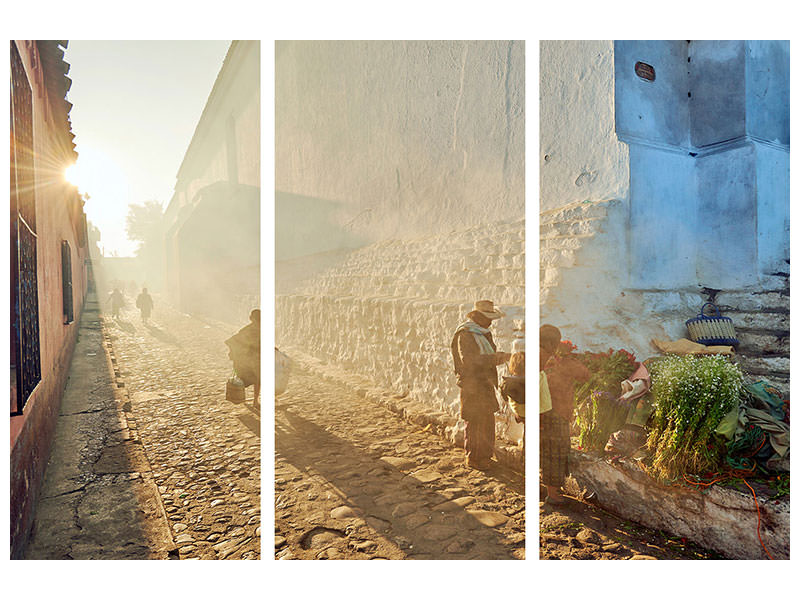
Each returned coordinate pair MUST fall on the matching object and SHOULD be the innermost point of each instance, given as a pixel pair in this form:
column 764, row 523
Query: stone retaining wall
column 719, row 518
column 388, row 311
column 586, row 292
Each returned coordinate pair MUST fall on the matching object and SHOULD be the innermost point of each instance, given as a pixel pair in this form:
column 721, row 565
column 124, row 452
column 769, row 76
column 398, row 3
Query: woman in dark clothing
column 562, row 374
column 144, row 302
column 245, row 352
column 117, row 302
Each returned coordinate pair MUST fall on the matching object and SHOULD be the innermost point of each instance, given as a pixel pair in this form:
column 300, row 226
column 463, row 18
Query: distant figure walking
column 117, row 302
column 245, row 352
column 144, row 302
column 475, row 359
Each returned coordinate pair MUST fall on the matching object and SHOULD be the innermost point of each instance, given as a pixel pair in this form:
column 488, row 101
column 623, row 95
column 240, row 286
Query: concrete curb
column 412, row 411
column 125, row 412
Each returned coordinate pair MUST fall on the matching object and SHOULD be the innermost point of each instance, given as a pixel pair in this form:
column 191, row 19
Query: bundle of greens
column 691, row 395
column 599, row 414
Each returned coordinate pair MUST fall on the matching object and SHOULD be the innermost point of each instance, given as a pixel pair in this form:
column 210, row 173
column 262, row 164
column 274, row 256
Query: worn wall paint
column 656, row 111
column 710, row 199
column 767, row 90
column 397, row 139
column 717, row 85
column 727, row 214
column 663, row 219
column 579, row 159
column 32, row 432
column 623, row 271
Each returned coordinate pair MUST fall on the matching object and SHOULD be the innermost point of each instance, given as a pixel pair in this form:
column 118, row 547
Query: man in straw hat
column 475, row 358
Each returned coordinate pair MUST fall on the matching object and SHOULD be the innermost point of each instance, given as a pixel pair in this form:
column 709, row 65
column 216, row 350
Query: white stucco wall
column 389, row 310
column 579, row 159
column 635, row 238
column 397, row 139
column 400, row 201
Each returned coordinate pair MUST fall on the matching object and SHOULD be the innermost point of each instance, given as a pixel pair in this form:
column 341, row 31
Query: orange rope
column 758, row 527
column 703, row 483
column 758, row 509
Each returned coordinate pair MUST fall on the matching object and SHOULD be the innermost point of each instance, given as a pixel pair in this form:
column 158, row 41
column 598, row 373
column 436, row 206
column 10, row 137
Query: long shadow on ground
column 395, row 504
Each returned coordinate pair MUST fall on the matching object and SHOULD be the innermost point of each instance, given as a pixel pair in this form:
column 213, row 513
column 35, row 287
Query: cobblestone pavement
column 579, row 530
column 354, row 481
column 203, row 450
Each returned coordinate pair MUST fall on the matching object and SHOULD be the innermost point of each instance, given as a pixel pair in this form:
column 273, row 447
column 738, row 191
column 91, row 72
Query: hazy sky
column 135, row 108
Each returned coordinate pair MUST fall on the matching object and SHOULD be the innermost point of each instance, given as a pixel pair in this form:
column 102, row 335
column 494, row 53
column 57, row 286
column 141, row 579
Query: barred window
column 66, row 282
column 24, row 283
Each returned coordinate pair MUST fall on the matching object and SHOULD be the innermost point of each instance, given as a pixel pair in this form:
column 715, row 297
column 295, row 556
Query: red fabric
column 563, row 374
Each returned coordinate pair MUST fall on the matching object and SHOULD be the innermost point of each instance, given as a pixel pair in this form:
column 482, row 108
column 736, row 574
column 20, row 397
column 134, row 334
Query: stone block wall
column 585, row 291
column 389, row 310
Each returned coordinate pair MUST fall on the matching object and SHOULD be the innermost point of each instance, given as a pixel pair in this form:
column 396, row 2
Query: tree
column 144, row 223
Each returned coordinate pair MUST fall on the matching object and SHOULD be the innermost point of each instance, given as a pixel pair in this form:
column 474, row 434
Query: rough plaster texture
column 389, row 310
column 719, row 518
column 579, row 159
column 620, row 269
column 396, row 139
column 399, row 203
column 32, row 432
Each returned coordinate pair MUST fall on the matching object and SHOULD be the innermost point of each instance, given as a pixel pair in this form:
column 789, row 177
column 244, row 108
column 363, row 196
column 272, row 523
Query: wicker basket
column 712, row 331
column 234, row 390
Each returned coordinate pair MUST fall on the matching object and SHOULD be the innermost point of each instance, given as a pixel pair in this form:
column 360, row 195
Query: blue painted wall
column 654, row 111
column 709, row 152
column 767, row 90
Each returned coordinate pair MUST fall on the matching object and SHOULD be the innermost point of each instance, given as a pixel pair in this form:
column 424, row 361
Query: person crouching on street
column 245, row 352
column 475, row 359
column 562, row 373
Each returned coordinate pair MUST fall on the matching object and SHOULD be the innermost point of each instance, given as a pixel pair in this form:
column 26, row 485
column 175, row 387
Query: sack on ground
column 283, row 366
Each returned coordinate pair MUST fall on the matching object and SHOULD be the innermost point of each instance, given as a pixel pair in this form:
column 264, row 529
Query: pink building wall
column 59, row 216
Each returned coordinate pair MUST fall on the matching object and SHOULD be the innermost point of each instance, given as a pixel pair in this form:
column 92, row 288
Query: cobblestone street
column 355, row 481
column 203, row 450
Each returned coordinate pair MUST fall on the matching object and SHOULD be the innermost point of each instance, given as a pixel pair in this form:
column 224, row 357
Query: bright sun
column 71, row 174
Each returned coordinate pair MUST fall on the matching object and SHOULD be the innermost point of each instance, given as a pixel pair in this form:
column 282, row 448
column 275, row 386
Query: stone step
column 564, row 242
column 762, row 342
column 764, row 365
column 742, row 301
column 585, row 227
column 759, row 320
column 575, row 212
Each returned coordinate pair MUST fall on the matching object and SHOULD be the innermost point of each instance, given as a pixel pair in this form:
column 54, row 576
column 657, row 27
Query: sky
column 135, row 107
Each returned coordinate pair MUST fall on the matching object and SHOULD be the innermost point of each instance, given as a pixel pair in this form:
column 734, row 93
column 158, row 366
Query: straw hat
column 488, row 309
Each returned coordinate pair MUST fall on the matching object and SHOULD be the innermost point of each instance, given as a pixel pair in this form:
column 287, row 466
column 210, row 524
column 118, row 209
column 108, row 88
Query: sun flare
column 71, row 174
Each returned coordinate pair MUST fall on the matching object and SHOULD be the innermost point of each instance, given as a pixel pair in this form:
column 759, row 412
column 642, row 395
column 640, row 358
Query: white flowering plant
column 691, row 395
